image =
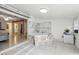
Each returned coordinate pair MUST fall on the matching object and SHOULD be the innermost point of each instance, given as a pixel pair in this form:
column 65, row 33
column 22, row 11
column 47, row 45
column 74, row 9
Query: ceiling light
column 43, row 10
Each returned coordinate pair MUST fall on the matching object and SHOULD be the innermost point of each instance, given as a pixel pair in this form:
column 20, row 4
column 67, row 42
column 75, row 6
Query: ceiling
column 54, row 10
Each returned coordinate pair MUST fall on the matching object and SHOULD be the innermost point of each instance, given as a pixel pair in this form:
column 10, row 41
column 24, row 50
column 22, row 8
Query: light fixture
column 8, row 18
column 43, row 10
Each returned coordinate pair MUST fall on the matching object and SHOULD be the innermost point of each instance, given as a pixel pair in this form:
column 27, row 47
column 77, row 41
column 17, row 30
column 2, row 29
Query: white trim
column 11, row 13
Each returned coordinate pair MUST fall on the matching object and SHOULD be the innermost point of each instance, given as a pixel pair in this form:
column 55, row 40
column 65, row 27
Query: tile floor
column 23, row 47
column 50, row 47
column 54, row 48
column 12, row 41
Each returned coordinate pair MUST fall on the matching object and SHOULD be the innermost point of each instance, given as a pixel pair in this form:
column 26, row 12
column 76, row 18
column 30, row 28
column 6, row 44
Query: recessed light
column 43, row 10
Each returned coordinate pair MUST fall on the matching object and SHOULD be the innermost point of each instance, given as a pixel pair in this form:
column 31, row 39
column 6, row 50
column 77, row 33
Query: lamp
column 43, row 10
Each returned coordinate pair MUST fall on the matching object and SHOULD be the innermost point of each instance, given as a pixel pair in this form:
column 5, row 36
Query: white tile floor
column 54, row 48
column 50, row 47
column 18, row 49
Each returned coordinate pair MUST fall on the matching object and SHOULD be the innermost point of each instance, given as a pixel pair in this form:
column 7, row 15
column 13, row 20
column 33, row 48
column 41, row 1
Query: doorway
column 17, row 31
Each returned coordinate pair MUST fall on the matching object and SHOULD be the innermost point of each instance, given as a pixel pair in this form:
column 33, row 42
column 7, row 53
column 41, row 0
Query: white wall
column 3, row 23
column 58, row 26
column 76, row 25
column 29, row 25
